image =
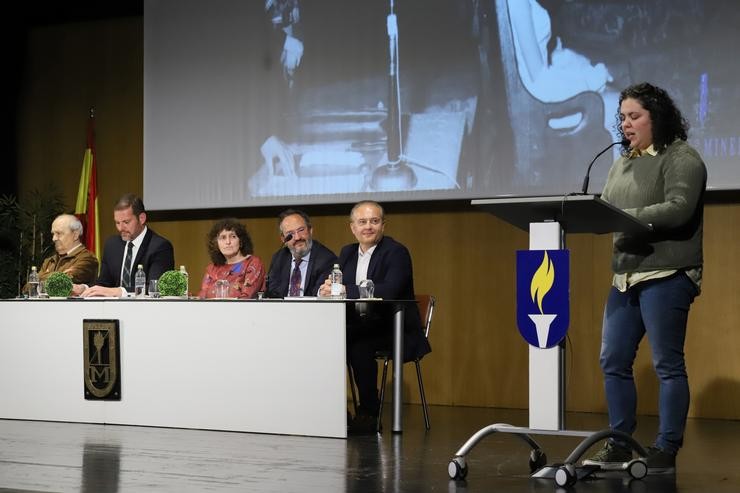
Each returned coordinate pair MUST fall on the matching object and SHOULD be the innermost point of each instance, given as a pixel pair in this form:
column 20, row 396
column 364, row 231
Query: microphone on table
column 584, row 188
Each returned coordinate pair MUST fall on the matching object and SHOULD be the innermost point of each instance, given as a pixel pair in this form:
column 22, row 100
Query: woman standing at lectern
column 660, row 180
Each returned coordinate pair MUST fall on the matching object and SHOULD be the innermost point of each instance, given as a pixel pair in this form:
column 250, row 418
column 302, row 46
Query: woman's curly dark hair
column 230, row 224
column 667, row 121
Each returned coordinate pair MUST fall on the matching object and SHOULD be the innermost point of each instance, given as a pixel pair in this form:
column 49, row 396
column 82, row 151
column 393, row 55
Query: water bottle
column 33, row 283
column 139, row 282
column 187, row 280
column 337, row 289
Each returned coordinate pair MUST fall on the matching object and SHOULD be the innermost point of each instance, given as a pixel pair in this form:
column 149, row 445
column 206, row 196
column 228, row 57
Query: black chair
column 426, row 310
column 426, row 304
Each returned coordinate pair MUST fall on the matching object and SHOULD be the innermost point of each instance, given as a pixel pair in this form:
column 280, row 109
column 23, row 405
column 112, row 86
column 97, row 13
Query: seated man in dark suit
column 136, row 244
column 314, row 260
column 388, row 264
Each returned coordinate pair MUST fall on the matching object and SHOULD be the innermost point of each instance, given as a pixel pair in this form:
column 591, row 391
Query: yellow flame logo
column 542, row 281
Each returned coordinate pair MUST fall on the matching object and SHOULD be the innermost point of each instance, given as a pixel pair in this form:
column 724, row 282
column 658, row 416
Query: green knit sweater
column 666, row 191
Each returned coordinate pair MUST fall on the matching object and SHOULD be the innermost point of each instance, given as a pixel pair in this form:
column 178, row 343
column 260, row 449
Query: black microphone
column 287, row 238
column 584, row 188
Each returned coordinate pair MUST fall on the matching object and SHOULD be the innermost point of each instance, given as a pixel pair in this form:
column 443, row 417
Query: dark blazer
column 392, row 274
column 319, row 266
column 155, row 254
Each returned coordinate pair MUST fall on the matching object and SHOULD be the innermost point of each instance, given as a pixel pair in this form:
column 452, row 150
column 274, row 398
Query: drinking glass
column 42, row 290
column 154, row 288
column 367, row 289
column 222, row 288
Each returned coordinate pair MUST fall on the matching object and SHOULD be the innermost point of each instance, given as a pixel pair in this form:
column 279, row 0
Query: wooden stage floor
column 70, row 457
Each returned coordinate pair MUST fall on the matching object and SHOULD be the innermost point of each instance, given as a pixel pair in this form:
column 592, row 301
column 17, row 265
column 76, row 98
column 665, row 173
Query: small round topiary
column 58, row 285
column 173, row 283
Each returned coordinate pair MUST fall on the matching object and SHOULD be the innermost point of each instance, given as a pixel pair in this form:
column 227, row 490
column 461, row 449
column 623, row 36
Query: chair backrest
column 537, row 145
column 426, row 311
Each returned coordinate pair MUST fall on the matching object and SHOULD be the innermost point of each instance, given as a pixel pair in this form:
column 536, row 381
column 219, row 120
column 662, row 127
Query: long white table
column 256, row 366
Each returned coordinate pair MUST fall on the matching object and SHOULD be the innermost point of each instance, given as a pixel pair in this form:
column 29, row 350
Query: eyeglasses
column 294, row 232
column 227, row 236
column 375, row 221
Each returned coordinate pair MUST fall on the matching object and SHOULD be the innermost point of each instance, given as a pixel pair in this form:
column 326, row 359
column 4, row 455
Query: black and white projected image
column 363, row 114
column 284, row 102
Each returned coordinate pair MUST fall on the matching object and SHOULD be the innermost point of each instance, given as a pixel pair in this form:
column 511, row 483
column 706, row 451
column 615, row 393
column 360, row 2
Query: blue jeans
column 659, row 308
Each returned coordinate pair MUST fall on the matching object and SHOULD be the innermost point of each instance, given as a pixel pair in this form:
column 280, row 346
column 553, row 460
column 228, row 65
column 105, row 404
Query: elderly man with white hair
column 71, row 256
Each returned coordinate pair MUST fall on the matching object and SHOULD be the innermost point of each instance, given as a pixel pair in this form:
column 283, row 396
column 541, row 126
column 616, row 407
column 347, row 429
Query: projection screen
column 290, row 102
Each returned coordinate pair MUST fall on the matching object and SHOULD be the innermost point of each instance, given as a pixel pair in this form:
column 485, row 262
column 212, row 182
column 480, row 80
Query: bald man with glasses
column 387, row 263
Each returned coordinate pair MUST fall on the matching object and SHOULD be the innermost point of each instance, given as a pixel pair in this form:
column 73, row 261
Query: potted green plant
column 58, row 285
column 24, row 234
column 173, row 283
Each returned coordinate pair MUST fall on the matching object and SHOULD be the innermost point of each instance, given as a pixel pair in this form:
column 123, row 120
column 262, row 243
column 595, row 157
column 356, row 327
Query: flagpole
column 87, row 193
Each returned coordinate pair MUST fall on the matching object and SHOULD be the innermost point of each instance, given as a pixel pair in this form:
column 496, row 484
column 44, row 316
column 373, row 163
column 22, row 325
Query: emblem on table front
column 102, row 359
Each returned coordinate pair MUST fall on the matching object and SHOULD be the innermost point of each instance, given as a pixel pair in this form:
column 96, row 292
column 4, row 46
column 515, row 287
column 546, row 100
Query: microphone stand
column 396, row 174
column 584, row 188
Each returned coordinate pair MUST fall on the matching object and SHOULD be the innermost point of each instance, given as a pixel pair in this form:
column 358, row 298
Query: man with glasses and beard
column 298, row 269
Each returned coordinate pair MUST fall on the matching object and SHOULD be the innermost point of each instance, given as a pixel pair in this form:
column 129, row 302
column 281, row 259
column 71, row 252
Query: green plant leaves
column 172, row 283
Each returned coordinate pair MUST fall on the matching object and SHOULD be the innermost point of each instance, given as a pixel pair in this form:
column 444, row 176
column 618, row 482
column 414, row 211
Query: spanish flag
column 87, row 193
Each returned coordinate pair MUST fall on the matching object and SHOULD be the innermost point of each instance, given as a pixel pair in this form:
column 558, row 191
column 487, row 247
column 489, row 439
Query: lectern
column 547, row 219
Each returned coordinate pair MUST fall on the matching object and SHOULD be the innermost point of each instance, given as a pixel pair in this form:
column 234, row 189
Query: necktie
column 126, row 276
column 295, row 279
